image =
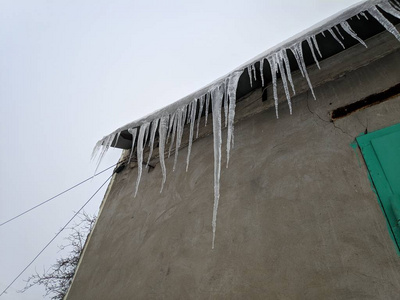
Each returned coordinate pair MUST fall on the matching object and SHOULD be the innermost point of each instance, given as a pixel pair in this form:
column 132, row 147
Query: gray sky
column 74, row 71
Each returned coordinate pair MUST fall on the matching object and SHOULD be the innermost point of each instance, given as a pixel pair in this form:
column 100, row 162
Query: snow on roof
column 169, row 122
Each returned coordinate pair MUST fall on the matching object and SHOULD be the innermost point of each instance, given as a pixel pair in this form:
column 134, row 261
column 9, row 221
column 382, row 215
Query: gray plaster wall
column 297, row 216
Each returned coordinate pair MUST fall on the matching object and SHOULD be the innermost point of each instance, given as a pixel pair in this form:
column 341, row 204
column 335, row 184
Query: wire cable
column 67, row 190
column 58, row 233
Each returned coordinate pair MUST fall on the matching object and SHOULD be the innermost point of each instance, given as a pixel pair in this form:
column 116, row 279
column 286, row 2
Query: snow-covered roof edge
column 170, row 120
column 321, row 26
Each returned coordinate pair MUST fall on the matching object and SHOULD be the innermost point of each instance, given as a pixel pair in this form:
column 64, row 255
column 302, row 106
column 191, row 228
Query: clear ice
column 132, row 131
column 385, row 22
column 231, row 93
column 217, row 95
column 201, row 104
column 192, row 122
column 346, row 27
column 139, row 149
column 154, row 125
column 162, row 134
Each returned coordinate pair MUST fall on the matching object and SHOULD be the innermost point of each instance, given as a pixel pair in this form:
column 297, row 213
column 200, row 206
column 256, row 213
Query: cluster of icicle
column 170, row 126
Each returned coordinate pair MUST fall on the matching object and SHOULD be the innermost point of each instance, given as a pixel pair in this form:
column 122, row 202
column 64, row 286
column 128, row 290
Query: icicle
column 312, row 51
column 174, row 125
column 262, row 71
column 336, row 38
column 192, row 121
column 139, row 151
column 132, row 131
column 104, row 144
column 180, row 124
column 283, row 55
column 188, row 114
column 207, row 107
column 116, row 140
column 346, row 27
column 232, row 86
column 279, row 60
column 201, row 104
column 314, row 40
column 298, row 54
column 385, row 22
column 171, row 123
column 217, row 96
column 250, row 76
column 184, row 114
column 254, row 71
column 96, row 149
column 364, row 15
column 154, row 124
column 323, row 33
column 358, row 17
column 337, row 29
column 395, row 4
column 272, row 63
column 162, row 133
column 146, row 136
column 226, row 108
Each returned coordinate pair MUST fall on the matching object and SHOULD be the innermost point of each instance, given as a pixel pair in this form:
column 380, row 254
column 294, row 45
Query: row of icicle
column 170, row 126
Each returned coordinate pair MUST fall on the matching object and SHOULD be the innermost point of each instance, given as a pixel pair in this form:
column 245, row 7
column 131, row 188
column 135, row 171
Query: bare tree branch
column 57, row 279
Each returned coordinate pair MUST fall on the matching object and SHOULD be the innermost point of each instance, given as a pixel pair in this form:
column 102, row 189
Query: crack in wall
column 327, row 121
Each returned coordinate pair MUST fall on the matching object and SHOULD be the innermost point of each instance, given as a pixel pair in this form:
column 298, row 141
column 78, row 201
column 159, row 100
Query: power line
column 67, row 190
column 41, row 251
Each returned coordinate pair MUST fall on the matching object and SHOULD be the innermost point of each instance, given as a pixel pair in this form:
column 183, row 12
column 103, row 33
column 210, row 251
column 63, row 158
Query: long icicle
column 192, row 122
column 253, row 67
column 179, row 131
column 231, row 93
column 154, row 125
column 346, row 27
column 262, row 71
column 314, row 40
column 284, row 56
column 162, row 133
column 170, row 126
column 139, row 151
column 96, row 149
column 284, row 80
column 207, row 108
column 387, row 7
column 298, row 54
column 226, row 108
column 189, row 106
column 201, row 105
column 104, row 145
column 217, row 96
column 337, row 29
column 174, row 124
column 132, row 131
column 250, row 75
column 272, row 64
column 385, row 22
column 116, row 140
column 146, row 135
column 310, row 45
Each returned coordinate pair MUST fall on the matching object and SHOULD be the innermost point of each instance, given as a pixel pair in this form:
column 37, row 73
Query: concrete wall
column 297, row 217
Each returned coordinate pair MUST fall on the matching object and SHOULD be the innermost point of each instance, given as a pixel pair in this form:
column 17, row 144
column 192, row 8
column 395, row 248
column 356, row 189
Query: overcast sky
column 72, row 71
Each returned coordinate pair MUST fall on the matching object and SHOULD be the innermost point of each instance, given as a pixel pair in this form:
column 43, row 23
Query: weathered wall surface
column 297, row 217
